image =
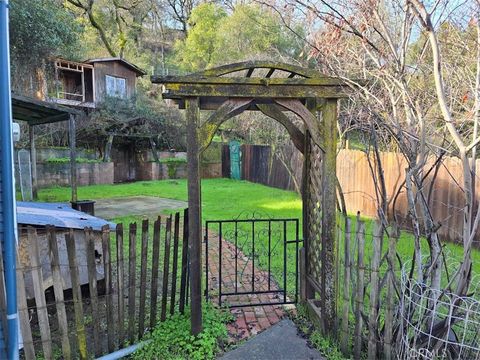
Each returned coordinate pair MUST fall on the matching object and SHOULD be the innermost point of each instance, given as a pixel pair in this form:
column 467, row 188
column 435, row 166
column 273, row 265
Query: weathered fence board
column 58, row 291
column 40, row 300
column 132, row 240
column 183, row 276
column 176, row 233
column 143, row 280
column 92, row 285
column 155, row 267
column 360, row 239
column 120, row 278
column 107, row 266
column 24, row 318
column 77, row 295
column 166, row 267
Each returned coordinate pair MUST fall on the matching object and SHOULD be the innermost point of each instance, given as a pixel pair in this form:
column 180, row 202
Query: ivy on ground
column 171, row 339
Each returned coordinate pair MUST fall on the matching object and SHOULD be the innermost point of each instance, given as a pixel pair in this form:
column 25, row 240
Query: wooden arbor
column 273, row 89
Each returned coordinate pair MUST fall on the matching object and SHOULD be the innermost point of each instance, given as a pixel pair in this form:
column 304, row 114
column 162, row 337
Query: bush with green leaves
column 171, row 339
column 172, row 165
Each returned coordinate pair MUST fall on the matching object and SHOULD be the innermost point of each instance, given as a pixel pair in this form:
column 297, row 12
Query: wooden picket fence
column 140, row 288
column 368, row 278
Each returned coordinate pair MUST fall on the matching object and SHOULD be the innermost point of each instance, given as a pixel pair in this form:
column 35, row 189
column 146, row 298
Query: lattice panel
column 314, row 212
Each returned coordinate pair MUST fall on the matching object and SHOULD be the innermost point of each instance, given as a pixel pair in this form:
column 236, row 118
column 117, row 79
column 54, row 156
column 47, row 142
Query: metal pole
column 73, row 157
column 7, row 185
column 33, row 160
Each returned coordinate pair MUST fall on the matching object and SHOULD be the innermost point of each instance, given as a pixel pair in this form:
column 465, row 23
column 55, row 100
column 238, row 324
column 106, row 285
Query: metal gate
column 252, row 261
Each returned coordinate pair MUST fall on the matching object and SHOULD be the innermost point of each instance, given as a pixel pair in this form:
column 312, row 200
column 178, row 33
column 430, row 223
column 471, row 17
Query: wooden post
column 308, row 292
column 194, row 216
column 83, row 84
column 73, row 157
column 329, row 209
column 33, row 160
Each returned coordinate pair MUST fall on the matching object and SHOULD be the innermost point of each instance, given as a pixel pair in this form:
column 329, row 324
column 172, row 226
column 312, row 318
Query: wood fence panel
column 40, row 300
column 355, row 177
column 77, row 295
column 58, row 291
column 143, row 280
column 109, row 311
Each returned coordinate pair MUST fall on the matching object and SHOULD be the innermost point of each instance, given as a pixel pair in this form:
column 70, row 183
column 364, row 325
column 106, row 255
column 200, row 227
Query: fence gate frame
column 310, row 95
column 283, row 288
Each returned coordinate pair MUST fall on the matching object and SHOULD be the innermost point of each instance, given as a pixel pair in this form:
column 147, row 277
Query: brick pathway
column 249, row 320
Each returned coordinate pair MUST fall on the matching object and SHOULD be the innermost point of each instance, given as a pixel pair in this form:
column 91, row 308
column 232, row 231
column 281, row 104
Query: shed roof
column 56, row 214
column 36, row 112
column 131, row 66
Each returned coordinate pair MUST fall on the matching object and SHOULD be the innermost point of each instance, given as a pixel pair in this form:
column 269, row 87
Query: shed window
column 116, row 86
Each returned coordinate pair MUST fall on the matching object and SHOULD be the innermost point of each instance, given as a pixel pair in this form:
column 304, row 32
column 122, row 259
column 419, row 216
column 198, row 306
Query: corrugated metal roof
column 57, row 214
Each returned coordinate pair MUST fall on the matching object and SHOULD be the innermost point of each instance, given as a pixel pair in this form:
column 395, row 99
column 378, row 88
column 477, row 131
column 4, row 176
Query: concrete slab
column 135, row 205
column 280, row 342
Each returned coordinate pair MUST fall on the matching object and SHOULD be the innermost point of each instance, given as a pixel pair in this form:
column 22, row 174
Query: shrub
column 172, row 165
column 172, row 339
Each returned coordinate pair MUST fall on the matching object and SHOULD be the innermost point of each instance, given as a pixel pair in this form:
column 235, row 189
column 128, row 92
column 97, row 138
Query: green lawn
column 221, row 198
column 227, row 199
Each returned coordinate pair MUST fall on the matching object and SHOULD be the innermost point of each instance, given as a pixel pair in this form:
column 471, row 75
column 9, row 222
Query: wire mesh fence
column 438, row 324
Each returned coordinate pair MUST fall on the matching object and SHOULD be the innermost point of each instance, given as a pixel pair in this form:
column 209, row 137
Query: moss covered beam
column 227, row 110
